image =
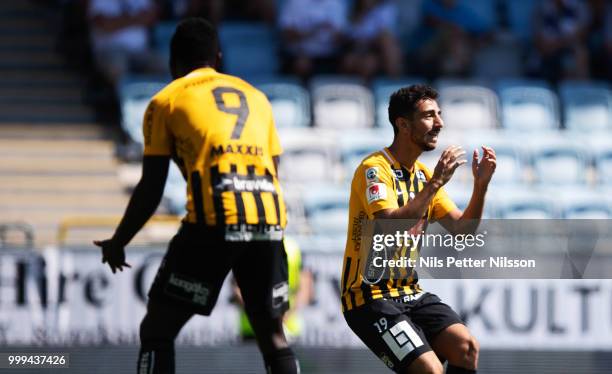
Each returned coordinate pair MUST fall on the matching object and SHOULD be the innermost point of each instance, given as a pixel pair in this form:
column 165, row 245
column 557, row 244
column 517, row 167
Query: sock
column 282, row 361
column 451, row 369
column 156, row 358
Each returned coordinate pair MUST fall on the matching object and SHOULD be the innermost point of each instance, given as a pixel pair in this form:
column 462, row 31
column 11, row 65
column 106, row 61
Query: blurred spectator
column 212, row 10
column 560, row 40
column 608, row 45
column 311, row 32
column 120, row 37
column 449, row 38
column 371, row 42
column 220, row 10
column 250, row 10
column 598, row 33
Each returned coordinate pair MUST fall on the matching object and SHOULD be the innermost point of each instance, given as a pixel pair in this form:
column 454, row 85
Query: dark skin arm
column 142, row 205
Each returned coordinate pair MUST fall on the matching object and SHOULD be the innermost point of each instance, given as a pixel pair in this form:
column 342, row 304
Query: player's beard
column 423, row 144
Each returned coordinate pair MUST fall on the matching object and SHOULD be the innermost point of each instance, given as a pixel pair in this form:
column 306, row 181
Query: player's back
column 221, row 133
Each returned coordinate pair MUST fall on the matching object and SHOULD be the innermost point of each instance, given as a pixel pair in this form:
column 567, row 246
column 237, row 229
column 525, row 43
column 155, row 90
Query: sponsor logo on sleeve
column 377, row 191
column 371, row 175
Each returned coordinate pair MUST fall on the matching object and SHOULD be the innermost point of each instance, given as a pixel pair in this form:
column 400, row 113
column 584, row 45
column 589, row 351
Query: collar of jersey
column 204, row 70
column 394, row 163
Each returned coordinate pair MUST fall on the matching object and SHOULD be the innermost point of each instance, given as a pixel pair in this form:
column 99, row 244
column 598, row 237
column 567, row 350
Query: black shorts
column 198, row 260
column 399, row 330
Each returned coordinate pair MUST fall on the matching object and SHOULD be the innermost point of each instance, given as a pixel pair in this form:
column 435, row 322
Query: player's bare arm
column 449, row 161
column 466, row 222
column 142, row 205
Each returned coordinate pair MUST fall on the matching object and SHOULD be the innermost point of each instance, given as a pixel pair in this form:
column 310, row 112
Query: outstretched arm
column 142, row 205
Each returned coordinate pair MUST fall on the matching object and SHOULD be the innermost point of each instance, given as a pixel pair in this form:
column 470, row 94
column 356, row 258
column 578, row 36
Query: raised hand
column 483, row 170
column 449, row 161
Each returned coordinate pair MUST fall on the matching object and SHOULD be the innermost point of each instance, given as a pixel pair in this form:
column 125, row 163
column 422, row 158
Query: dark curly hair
column 403, row 102
column 195, row 43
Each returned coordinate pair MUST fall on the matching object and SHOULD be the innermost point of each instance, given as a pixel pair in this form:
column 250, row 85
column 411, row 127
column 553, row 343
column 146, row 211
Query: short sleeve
column 157, row 138
column 375, row 186
column 441, row 204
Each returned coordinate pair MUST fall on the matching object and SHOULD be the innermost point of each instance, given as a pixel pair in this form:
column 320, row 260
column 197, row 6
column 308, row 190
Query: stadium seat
column 290, row 101
column 558, row 162
column 134, row 95
column 587, row 106
column 603, row 166
column 326, row 209
column 528, row 105
column 382, row 89
column 309, row 156
column 585, row 205
column 517, row 202
column 341, row 103
column 258, row 57
column 356, row 145
column 467, row 106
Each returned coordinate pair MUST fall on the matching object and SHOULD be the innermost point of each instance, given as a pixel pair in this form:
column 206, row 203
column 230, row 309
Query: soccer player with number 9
column 220, row 131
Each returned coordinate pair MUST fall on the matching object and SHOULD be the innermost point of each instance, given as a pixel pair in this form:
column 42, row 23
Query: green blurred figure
column 300, row 294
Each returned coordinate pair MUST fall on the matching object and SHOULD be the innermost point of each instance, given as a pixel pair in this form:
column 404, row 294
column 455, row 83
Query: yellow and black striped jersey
column 220, row 131
column 380, row 182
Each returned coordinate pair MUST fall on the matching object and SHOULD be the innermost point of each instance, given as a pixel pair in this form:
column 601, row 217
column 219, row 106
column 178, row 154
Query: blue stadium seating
column 258, row 57
column 341, row 103
column 558, row 162
column 528, row 105
column 326, row 207
column 382, row 89
column 584, row 204
column 135, row 91
column 587, row 106
column 290, row 101
column 518, row 202
column 467, row 106
column 356, row 145
column 309, row 156
column 603, row 165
